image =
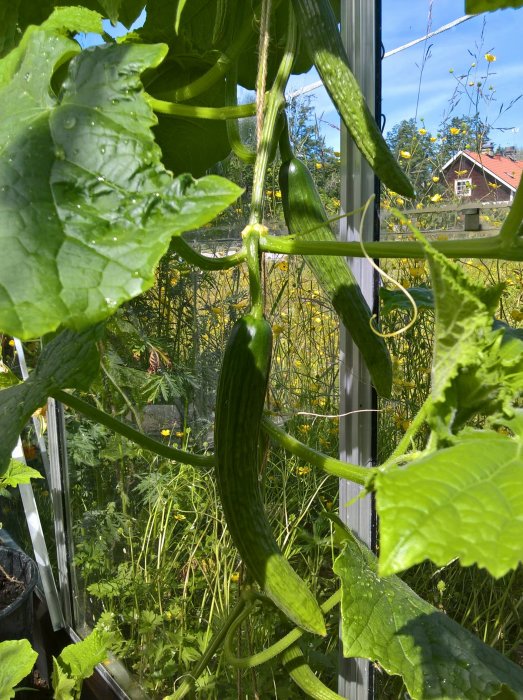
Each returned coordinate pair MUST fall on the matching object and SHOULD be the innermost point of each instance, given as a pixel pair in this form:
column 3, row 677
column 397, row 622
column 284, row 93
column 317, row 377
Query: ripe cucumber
column 242, row 386
column 306, row 218
column 318, row 27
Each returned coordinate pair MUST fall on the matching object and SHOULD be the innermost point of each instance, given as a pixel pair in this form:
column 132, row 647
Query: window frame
column 467, row 187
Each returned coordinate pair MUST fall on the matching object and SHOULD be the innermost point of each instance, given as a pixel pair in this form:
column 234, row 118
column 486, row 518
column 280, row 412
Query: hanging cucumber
column 240, row 398
column 306, row 218
column 319, row 31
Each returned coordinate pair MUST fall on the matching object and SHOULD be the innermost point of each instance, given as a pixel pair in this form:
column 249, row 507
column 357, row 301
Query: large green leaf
column 189, row 145
column 86, row 207
column 464, row 501
column 17, row 658
column 197, row 27
column 477, row 367
column 395, row 299
column 473, row 7
column 464, row 312
column 385, row 621
column 70, row 360
column 77, row 661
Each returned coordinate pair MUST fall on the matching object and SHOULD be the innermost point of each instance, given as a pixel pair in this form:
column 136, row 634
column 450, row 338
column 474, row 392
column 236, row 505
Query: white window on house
column 463, row 188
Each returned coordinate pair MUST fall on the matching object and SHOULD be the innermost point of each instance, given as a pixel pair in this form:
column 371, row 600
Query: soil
column 10, row 589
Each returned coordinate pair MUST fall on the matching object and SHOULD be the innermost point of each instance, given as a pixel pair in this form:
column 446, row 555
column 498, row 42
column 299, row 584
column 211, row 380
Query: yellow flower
column 277, row 194
column 435, row 198
column 337, row 154
column 239, row 304
column 419, row 205
column 433, row 138
column 269, row 193
column 235, row 577
column 11, row 343
column 405, row 154
column 471, row 83
column 165, row 432
column 305, row 428
column 422, row 131
column 180, row 516
column 435, row 178
column 400, row 201
column 494, row 185
column 297, row 363
column 490, row 58
column 459, row 173
column 318, row 166
column 217, row 310
column 282, row 265
column 453, row 130
column 180, row 434
column 301, row 471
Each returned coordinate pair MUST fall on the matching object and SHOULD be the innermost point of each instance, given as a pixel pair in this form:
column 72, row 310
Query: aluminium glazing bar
column 359, row 24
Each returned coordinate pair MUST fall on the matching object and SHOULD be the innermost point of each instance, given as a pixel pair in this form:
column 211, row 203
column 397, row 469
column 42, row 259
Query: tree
column 415, row 148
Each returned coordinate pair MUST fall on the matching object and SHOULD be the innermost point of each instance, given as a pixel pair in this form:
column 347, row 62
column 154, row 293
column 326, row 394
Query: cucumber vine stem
column 492, row 248
column 189, row 681
column 126, row 431
column 275, row 649
column 274, row 102
column 353, row 472
column 204, row 262
column 174, row 109
column 233, row 133
column 251, row 236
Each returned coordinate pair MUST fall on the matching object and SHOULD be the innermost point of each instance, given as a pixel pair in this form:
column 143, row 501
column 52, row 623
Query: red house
column 484, row 177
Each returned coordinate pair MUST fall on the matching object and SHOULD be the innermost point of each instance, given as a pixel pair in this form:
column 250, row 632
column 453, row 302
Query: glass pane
column 453, row 120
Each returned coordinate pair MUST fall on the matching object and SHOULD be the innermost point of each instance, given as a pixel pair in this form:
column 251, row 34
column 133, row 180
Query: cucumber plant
column 99, row 151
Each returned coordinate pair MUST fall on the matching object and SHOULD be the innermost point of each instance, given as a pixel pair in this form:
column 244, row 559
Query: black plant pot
column 16, row 620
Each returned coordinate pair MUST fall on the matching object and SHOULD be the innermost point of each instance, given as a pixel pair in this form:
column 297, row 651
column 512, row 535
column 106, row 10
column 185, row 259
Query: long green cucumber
column 242, row 386
column 306, row 218
column 302, row 674
column 319, row 30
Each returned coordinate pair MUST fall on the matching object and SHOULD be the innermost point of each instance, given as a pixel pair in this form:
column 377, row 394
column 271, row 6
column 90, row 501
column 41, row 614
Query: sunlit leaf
column 17, row 658
column 465, row 501
column 18, row 473
column 78, row 660
column 107, row 207
column 385, row 621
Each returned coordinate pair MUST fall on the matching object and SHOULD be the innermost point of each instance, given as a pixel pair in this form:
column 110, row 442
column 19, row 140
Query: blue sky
column 499, row 33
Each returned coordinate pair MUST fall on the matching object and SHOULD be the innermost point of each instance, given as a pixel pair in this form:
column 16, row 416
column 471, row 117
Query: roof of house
column 500, row 167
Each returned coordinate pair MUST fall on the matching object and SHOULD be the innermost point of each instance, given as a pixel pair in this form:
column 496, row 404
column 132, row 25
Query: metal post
column 359, row 24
